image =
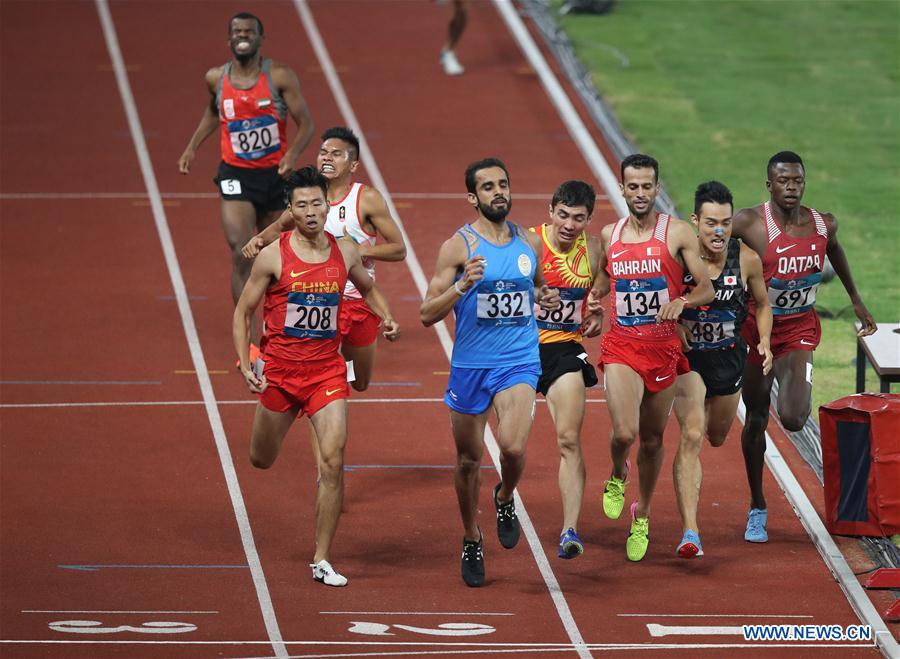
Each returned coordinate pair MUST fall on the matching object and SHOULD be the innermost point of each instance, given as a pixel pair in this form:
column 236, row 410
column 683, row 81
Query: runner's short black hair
column 639, row 161
column 477, row 166
column 574, row 193
column 345, row 134
column 245, row 16
column 783, row 156
column 305, row 177
column 711, row 192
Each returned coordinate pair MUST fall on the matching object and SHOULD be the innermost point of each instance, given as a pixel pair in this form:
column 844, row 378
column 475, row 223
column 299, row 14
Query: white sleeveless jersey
column 343, row 216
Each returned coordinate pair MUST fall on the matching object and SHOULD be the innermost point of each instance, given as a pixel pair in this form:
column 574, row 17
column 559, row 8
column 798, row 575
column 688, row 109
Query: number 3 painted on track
column 96, row 627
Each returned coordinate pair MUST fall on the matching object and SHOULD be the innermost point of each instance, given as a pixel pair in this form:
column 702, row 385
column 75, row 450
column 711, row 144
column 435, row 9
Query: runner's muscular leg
column 565, row 399
column 624, row 392
column 756, row 393
column 330, row 424
column 238, row 223
column 268, row 433
column 690, row 393
column 794, row 374
column 515, row 413
column 468, row 435
column 720, row 413
column 655, row 409
column 363, row 358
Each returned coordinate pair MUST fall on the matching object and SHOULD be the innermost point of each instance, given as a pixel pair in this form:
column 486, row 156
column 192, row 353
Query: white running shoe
column 451, row 65
column 324, row 573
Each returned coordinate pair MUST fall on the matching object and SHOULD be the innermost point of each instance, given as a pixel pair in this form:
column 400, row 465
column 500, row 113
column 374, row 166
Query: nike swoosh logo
column 331, row 392
column 616, row 255
column 659, row 379
column 806, row 343
column 297, row 274
column 779, row 250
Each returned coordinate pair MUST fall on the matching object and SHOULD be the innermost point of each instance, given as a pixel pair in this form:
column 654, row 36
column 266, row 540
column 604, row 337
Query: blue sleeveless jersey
column 495, row 325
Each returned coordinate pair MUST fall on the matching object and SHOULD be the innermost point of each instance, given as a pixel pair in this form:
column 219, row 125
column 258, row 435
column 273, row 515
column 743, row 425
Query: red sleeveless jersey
column 252, row 121
column 301, row 309
column 792, row 267
column 643, row 277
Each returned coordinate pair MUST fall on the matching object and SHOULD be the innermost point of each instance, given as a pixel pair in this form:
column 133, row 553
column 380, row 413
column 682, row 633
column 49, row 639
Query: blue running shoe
column 690, row 545
column 756, row 526
column 570, row 545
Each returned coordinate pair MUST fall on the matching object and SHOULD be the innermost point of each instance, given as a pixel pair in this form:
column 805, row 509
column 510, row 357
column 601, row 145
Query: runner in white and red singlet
column 792, row 241
column 250, row 100
column 302, row 277
column 360, row 213
column 643, row 259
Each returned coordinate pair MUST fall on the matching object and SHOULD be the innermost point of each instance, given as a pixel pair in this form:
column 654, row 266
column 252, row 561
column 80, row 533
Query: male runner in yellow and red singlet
column 302, row 276
column 250, row 100
column 568, row 260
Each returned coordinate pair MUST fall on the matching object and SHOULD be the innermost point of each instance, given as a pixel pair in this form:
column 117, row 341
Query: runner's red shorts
column 788, row 335
column 359, row 324
column 657, row 362
column 310, row 385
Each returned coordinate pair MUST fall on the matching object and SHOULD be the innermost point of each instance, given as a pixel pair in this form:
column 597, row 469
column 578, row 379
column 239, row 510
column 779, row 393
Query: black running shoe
column 473, row 562
column 507, row 522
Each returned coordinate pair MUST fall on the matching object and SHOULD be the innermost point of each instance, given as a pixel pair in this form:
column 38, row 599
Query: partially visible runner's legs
column 687, row 470
column 565, row 399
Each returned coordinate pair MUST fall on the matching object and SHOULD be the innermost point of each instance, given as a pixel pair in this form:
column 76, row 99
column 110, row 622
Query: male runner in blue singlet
column 486, row 272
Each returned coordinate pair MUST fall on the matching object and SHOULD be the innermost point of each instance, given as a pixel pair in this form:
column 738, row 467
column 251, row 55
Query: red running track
column 118, row 508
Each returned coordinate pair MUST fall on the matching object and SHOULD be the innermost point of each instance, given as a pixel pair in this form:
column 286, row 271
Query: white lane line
column 155, row 403
column 97, row 611
column 570, row 117
column 707, row 615
column 483, row 647
column 190, row 330
column 418, row 275
column 696, row 630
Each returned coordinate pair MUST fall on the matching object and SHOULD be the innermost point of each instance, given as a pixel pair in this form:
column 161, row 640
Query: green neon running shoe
column 639, row 538
column 614, row 494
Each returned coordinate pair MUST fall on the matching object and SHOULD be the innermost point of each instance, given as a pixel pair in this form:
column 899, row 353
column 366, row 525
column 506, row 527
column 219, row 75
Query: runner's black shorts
column 722, row 370
column 557, row 359
column 263, row 188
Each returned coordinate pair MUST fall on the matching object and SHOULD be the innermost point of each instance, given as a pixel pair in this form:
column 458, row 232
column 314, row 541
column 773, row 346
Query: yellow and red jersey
column 571, row 274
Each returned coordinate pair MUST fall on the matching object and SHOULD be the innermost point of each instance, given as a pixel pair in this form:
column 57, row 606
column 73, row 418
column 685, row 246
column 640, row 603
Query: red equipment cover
column 861, row 462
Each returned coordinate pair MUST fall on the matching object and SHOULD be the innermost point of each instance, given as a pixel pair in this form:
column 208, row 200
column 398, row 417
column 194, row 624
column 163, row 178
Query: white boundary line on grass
column 832, row 556
column 570, row 117
column 418, row 276
column 190, row 330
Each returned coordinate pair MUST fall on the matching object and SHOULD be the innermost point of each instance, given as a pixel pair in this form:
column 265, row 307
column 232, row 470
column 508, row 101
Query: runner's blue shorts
column 471, row 390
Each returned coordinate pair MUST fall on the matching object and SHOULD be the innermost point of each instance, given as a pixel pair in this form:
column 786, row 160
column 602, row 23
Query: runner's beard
column 642, row 216
column 495, row 215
